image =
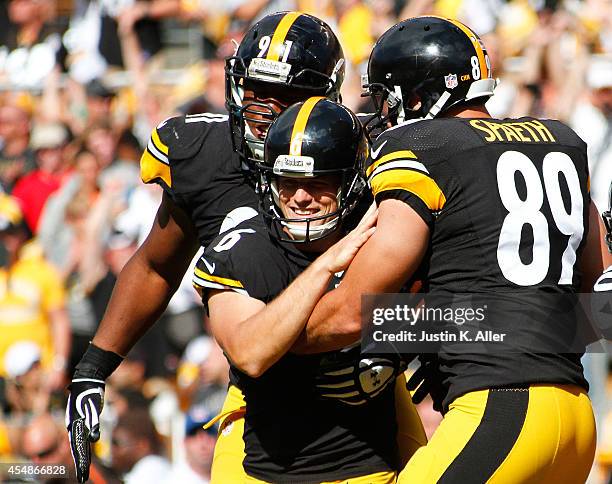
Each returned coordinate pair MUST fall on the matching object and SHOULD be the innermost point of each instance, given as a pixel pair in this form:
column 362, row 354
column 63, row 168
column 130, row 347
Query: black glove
column 85, row 404
column 352, row 378
column 426, row 380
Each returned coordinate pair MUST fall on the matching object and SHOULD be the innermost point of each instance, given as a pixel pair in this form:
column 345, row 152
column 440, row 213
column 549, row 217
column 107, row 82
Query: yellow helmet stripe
column 275, row 51
column 297, row 135
column 484, row 70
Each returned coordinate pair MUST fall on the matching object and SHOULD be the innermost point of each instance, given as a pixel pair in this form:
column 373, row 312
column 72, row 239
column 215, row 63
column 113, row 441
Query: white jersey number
column 528, row 212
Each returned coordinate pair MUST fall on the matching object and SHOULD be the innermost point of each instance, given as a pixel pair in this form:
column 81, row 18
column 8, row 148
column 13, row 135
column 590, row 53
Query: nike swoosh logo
column 375, row 152
column 211, row 268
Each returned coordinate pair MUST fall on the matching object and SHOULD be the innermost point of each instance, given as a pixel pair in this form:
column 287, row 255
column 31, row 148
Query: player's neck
column 468, row 112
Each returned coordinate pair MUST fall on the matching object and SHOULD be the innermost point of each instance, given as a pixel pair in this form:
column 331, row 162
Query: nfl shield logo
column 451, row 81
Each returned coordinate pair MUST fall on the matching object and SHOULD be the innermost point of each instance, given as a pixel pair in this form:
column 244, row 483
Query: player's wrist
column 324, row 266
column 97, row 363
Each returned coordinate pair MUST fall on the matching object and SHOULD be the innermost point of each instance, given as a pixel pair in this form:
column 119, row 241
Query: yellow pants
column 544, row 434
column 229, row 450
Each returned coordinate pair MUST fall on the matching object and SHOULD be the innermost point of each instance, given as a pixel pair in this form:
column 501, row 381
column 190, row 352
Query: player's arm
column 254, row 335
column 383, row 265
column 141, row 294
column 149, row 279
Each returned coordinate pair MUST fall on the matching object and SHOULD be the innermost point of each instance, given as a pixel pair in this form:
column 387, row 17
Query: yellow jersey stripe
column 151, row 169
column 275, row 51
column 396, row 155
column 414, row 182
column 158, row 142
column 484, row 71
column 221, row 280
column 297, row 135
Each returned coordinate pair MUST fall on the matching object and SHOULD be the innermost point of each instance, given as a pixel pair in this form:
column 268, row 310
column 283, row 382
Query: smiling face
column 308, row 198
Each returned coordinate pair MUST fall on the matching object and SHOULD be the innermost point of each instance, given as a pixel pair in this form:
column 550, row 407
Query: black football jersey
column 291, row 434
column 192, row 159
column 507, row 203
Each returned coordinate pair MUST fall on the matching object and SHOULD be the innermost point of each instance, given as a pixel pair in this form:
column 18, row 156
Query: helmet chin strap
column 300, row 231
column 254, row 143
column 437, row 107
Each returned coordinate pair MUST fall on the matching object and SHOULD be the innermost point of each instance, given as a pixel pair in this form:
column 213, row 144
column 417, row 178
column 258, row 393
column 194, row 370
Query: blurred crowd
column 83, row 82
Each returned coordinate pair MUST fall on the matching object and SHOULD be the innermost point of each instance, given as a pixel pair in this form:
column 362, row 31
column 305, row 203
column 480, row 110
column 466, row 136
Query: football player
column 481, row 206
column 300, row 424
column 285, row 57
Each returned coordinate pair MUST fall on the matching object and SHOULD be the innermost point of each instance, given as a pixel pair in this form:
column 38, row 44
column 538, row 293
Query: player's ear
column 414, row 102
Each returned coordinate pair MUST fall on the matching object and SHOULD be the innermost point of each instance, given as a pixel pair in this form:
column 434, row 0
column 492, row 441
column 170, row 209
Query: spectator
column 136, row 449
column 16, row 156
column 32, row 46
column 100, row 139
column 62, row 230
column 202, row 376
column 26, row 392
column 199, row 444
column 99, row 100
column 592, row 120
column 48, row 141
column 32, row 301
column 44, row 442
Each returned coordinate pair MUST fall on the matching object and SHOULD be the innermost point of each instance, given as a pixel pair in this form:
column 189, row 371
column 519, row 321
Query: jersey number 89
column 528, row 211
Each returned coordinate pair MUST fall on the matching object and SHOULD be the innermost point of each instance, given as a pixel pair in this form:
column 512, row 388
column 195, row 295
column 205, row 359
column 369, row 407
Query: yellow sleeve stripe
column 220, row 280
column 299, row 126
column 275, row 51
column 158, row 143
column 152, row 169
column 412, row 181
column 399, row 164
column 156, row 153
column 396, row 155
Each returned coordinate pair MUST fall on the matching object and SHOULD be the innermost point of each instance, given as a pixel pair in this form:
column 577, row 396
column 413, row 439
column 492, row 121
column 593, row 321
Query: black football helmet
column 286, row 50
column 314, row 138
column 437, row 61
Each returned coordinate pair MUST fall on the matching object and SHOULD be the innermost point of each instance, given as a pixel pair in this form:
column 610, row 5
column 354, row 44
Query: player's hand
column 426, row 380
column 83, row 421
column 352, row 378
column 339, row 256
column 85, row 404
